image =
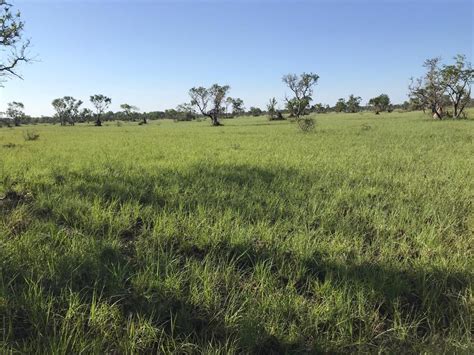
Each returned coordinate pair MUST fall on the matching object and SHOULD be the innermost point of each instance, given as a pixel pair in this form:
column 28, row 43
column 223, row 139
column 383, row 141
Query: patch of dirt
column 11, row 199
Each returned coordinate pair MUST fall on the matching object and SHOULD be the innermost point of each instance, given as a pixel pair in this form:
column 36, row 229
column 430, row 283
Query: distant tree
column 319, row 108
column 67, row 109
column 172, row 114
column 131, row 112
column 209, row 101
column 429, row 89
column 353, row 103
column 273, row 113
column 86, row 115
column 341, row 105
column 155, row 115
column 255, row 111
column 185, row 112
column 457, row 79
column 12, row 46
column 380, row 103
column 15, row 112
column 302, row 89
column 101, row 103
column 228, row 102
column 237, row 106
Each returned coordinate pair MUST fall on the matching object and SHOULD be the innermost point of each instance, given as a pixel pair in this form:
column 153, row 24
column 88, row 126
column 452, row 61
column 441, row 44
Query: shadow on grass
column 255, row 195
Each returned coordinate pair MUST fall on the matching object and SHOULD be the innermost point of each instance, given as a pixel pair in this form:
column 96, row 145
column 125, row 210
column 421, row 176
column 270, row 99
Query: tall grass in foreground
column 251, row 237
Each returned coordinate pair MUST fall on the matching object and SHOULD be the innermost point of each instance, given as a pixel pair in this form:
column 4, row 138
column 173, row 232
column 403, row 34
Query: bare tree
column 13, row 49
column 101, row 103
column 209, row 101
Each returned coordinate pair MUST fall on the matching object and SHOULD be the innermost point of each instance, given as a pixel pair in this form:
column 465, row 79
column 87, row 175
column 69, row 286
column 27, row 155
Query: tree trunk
column 144, row 120
column 215, row 121
column 436, row 111
column 98, row 122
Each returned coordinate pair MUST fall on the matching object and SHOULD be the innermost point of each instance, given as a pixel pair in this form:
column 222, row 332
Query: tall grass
column 251, row 237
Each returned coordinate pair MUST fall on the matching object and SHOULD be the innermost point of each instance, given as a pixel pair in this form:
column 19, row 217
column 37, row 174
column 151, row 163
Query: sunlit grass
column 253, row 237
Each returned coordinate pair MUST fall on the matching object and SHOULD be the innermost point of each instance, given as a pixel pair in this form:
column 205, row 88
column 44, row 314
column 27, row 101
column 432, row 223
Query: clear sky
column 149, row 53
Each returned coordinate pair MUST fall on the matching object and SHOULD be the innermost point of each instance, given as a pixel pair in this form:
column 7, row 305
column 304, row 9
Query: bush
column 31, row 136
column 306, row 124
column 277, row 116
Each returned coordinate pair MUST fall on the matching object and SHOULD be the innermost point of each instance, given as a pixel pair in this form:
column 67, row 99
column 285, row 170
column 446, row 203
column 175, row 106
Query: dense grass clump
column 252, row 237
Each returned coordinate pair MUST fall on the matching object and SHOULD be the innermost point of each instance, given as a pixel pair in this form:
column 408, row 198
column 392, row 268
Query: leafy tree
column 101, row 103
column 185, row 112
column 86, row 115
column 429, row 89
column 227, row 103
column 380, row 103
column 131, row 112
column 341, row 105
column 15, row 112
column 320, row 108
column 302, row 89
column 273, row 113
column 209, row 101
column 457, row 79
column 67, row 109
column 255, row 111
column 353, row 103
column 443, row 86
column 237, row 106
column 12, row 46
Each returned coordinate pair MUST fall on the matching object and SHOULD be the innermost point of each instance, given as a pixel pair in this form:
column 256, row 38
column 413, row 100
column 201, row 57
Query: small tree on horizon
column 101, row 103
column 131, row 111
column 15, row 112
column 302, row 89
column 341, row 105
column 429, row 90
column 457, row 79
column 380, row 103
column 67, row 109
column 209, row 101
column 86, row 115
column 237, row 106
column 353, row 103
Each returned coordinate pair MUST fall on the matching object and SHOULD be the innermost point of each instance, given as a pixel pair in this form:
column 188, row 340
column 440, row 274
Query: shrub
column 31, row 136
column 277, row 116
column 306, row 124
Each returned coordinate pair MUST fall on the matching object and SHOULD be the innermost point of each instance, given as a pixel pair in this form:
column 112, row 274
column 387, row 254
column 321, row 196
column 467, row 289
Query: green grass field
column 251, row 237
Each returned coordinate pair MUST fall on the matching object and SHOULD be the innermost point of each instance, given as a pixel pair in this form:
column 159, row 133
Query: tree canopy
column 13, row 46
column 209, row 101
column 302, row 89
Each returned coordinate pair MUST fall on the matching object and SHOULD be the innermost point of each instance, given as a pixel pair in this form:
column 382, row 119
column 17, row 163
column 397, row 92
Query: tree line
column 444, row 91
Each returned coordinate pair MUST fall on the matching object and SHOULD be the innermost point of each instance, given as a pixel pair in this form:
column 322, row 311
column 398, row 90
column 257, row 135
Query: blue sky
column 149, row 53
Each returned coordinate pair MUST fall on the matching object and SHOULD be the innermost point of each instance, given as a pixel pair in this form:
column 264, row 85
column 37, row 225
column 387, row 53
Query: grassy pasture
column 252, row 237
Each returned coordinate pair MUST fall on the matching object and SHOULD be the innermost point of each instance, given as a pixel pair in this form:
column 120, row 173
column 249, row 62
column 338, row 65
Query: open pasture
column 252, row 237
